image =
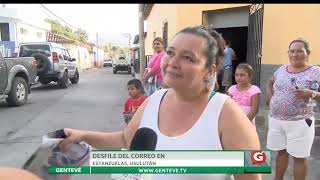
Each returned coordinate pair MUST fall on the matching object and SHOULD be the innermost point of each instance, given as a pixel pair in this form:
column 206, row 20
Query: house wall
column 160, row 14
column 283, row 23
column 82, row 55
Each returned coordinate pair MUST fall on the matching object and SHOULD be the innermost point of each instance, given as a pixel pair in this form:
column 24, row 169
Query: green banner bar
column 69, row 170
column 167, row 170
column 156, row 170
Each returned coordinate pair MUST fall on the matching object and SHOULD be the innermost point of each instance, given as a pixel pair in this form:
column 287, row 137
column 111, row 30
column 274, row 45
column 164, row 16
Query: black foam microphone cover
column 144, row 139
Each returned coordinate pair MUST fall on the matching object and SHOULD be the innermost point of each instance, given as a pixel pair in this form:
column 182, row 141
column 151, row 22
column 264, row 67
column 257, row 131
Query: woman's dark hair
column 247, row 67
column 305, row 43
column 160, row 39
column 215, row 43
column 137, row 83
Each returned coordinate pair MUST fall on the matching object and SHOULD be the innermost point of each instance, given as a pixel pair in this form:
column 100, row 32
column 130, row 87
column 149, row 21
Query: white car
column 107, row 63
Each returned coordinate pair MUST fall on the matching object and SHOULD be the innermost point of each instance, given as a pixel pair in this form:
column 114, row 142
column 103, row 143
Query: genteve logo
column 258, row 157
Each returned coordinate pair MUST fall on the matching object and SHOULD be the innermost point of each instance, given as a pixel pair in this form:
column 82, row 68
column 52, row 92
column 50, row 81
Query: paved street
column 93, row 104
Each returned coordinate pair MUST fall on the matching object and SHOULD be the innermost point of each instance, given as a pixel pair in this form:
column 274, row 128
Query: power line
column 58, row 16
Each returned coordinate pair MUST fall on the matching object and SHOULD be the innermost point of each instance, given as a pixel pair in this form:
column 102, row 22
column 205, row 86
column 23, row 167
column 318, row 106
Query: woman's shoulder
column 235, row 129
column 280, row 69
column 315, row 68
column 161, row 54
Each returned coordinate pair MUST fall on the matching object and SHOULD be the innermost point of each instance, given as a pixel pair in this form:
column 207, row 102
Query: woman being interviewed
column 186, row 116
column 152, row 75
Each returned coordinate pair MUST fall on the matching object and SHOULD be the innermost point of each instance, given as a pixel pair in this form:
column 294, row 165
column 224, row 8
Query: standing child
column 244, row 93
column 136, row 98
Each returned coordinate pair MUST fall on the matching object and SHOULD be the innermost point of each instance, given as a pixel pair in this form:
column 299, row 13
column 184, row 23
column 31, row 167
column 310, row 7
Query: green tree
column 82, row 35
column 78, row 35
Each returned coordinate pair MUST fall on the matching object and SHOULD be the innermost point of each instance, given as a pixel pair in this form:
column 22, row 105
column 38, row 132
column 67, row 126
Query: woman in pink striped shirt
column 153, row 72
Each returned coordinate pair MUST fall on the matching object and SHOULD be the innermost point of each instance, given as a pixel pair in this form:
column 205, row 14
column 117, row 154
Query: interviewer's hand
column 303, row 93
column 72, row 136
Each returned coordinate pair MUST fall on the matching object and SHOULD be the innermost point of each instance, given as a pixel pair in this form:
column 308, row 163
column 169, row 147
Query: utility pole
column 141, row 41
column 96, row 63
column 129, row 40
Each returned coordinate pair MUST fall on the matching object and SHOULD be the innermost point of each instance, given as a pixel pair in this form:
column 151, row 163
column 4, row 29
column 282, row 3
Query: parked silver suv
column 53, row 61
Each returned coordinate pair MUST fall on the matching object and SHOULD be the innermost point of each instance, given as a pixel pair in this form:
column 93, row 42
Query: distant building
column 13, row 30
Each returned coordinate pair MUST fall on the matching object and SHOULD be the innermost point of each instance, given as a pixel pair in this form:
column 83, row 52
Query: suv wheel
column 75, row 79
column 43, row 62
column 19, row 92
column 63, row 82
column 114, row 71
column 129, row 70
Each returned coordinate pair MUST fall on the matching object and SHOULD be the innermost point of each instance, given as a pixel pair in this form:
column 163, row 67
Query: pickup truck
column 16, row 77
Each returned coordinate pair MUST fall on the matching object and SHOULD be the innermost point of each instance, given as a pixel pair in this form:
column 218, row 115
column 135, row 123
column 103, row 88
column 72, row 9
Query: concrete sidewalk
column 314, row 159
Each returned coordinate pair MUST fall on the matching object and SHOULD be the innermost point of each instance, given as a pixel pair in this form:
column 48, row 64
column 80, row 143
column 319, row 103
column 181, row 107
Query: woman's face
column 157, row 46
column 183, row 65
column 298, row 55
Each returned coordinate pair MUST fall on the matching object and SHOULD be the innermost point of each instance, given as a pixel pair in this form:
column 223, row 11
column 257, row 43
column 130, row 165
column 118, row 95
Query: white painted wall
column 82, row 55
column 31, row 33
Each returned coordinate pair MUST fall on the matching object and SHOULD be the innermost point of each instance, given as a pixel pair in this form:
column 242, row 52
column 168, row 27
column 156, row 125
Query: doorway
column 238, row 37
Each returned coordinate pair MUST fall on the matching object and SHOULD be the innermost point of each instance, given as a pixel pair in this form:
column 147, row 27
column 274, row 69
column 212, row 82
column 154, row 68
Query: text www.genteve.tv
column 163, row 170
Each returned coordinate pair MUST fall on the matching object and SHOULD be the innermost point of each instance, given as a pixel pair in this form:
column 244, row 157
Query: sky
column 111, row 21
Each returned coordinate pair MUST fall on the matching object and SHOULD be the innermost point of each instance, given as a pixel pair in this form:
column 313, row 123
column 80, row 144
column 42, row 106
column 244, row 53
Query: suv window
column 59, row 52
column 66, row 55
column 29, row 50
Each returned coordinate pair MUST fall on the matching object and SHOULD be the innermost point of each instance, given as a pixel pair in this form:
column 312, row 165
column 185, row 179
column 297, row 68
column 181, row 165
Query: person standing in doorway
column 229, row 56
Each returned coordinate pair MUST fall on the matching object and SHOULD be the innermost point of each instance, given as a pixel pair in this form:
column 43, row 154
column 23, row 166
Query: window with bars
column 4, row 32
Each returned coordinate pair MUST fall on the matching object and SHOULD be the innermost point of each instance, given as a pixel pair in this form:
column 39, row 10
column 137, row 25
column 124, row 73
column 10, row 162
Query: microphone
column 144, row 139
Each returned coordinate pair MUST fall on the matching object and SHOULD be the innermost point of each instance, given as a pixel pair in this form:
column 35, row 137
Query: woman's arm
column 156, row 67
column 106, row 140
column 255, row 102
column 237, row 133
column 269, row 90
